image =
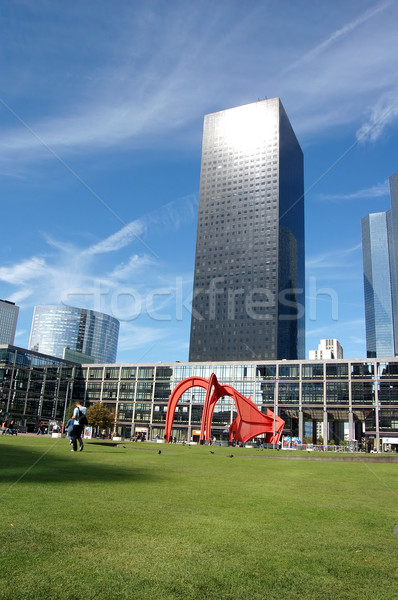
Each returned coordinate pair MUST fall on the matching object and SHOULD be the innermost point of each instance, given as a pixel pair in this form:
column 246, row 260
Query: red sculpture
column 249, row 422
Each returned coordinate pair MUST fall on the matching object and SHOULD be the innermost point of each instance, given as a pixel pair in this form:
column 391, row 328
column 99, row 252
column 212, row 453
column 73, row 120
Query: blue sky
column 102, row 109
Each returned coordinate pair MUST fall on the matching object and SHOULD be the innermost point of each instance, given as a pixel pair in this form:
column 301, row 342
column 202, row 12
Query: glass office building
column 8, row 321
column 377, row 286
column 248, row 294
column 393, row 254
column 359, row 397
column 55, row 328
column 34, row 387
column 380, row 270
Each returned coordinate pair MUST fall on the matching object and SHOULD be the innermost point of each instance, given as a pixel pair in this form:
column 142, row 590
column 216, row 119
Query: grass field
column 128, row 523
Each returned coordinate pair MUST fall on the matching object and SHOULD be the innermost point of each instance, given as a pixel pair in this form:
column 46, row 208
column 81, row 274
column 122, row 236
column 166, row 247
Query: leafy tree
column 69, row 411
column 99, row 416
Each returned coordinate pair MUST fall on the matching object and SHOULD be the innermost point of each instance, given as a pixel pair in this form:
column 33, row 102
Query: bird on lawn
column 159, row 452
column 211, row 451
column 230, row 455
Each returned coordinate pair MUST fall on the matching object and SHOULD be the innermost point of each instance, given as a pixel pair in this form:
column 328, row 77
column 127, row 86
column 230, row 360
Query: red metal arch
column 249, row 422
column 176, row 394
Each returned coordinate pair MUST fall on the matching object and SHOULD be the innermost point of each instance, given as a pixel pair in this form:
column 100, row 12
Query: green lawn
column 128, row 523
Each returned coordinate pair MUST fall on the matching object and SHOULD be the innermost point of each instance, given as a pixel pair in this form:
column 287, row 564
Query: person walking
column 78, row 414
column 69, row 429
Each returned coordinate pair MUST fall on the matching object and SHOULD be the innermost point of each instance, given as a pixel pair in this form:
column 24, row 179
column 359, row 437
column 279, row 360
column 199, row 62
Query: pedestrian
column 40, row 429
column 69, row 429
column 78, row 426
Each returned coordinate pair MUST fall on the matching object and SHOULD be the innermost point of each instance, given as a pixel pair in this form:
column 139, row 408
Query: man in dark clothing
column 77, row 427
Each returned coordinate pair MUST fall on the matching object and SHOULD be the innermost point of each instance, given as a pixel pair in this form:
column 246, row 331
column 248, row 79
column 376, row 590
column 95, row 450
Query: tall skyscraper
column 92, row 333
column 393, row 254
column 8, row 321
column 380, row 264
column 248, row 295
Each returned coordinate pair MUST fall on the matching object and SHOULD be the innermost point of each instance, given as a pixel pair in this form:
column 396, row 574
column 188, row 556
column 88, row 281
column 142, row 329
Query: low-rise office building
column 34, row 387
column 360, row 393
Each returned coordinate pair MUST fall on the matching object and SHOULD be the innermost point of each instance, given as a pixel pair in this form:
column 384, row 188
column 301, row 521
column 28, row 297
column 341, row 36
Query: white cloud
column 338, row 258
column 152, row 88
column 330, row 86
column 27, row 270
column 341, row 326
column 135, row 264
column 376, row 191
column 117, row 240
column 21, row 333
column 134, row 336
column 383, row 114
column 138, row 289
column 335, row 37
column 20, row 295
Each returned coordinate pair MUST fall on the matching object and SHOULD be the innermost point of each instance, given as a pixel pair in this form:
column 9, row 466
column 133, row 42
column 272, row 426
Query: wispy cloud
column 147, row 90
column 339, row 327
column 133, row 336
column 24, row 271
column 336, row 36
column 118, row 240
column 106, row 275
column 337, row 258
column 126, row 270
column 376, row 191
column 330, row 85
column 383, row 114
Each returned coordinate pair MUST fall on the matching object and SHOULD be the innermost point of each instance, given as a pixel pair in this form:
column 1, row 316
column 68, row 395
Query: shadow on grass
column 51, row 462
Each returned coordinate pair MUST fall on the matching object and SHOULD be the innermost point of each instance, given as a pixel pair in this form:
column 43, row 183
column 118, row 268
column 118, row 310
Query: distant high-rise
column 248, row 295
column 327, row 349
column 380, row 264
column 393, row 254
column 8, row 321
column 92, row 333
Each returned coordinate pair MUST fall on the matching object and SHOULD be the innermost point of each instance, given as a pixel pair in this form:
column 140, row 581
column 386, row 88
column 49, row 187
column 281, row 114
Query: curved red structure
column 249, row 422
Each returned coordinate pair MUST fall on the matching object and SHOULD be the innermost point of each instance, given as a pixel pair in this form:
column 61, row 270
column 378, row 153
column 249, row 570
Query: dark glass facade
column 248, row 296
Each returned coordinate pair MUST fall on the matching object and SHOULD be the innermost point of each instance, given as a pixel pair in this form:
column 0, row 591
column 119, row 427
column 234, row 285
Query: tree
column 69, row 412
column 99, row 416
